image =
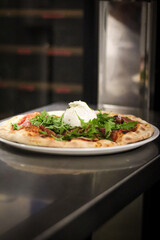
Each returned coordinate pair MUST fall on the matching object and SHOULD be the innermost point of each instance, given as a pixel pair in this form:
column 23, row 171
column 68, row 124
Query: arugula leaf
column 16, row 126
column 108, row 128
column 127, row 125
column 43, row 132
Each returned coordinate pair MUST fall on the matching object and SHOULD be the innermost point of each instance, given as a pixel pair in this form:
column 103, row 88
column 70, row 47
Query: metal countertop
column 43, row 195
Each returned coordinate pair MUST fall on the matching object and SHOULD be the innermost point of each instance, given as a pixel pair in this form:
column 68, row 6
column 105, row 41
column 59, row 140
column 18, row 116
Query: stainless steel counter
column 44, row 195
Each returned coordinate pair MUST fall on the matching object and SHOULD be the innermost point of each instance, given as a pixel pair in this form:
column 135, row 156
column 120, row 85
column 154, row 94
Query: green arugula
column 16, row 126
column 43, row 132
column 100, row 127
column 126, row 125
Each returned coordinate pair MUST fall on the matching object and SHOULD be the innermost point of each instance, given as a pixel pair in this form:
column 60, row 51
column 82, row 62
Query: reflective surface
column 124, row 53
column 44, row 189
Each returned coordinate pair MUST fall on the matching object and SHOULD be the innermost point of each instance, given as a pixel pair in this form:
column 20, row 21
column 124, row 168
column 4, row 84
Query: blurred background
column 41, row 53
column 102, row 52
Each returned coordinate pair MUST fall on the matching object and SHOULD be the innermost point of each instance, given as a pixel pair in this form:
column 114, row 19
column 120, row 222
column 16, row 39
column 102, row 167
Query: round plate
column 83, row 151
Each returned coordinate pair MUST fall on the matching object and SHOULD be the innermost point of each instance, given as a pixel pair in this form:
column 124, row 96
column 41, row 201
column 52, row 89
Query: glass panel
column 122, row 53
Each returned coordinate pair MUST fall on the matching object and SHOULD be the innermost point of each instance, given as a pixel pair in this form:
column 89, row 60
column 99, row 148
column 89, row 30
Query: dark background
column 47, row 57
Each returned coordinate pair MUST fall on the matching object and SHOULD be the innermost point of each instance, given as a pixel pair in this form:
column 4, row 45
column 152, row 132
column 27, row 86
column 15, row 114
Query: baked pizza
column 77, row 127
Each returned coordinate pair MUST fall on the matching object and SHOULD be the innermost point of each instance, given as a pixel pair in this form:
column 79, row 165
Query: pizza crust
column 143, row 131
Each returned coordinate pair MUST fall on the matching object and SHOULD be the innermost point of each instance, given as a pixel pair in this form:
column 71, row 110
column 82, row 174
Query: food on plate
column 78, row 126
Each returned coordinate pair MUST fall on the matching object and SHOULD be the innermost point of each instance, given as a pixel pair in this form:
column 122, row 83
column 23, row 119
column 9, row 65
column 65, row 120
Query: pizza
column 77, row 127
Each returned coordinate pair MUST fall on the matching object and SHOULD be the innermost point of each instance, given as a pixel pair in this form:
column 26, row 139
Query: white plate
column 83, row 151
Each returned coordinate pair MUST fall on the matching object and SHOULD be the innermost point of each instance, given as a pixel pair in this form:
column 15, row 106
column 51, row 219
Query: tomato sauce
column 27, row 117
